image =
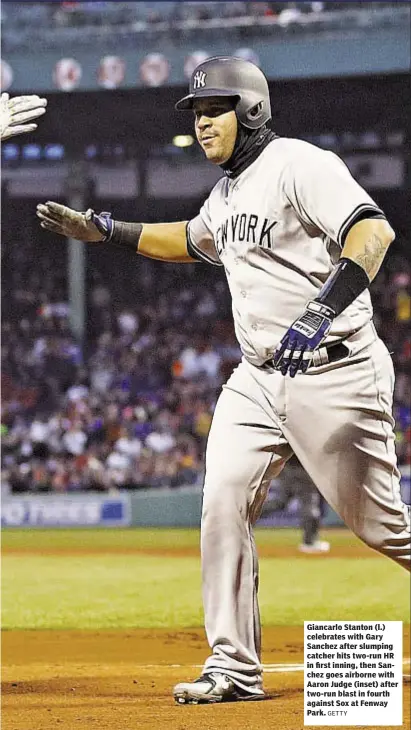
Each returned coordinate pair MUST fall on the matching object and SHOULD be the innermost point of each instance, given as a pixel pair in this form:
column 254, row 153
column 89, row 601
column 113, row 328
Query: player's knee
column 223, row 500
column 223, row 508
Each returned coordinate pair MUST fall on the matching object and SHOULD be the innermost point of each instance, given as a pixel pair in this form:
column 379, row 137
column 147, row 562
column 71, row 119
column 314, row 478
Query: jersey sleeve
column 200, row 239
column 324, row 194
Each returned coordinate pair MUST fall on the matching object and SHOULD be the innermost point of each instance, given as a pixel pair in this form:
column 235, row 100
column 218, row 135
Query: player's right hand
column 68, row 222
column 16, row 112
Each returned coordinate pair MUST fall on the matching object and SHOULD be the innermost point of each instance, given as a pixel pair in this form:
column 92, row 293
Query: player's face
column 216, row 127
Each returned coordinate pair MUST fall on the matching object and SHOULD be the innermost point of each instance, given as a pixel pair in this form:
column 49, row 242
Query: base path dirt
column 119, row 680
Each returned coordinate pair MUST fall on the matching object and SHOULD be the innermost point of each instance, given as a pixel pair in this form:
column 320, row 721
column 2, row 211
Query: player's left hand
column 305, row 335
column 14, row 113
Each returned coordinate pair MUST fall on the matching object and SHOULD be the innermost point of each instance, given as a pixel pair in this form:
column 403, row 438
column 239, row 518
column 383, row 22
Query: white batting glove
column 14, row 113
column 68, row 222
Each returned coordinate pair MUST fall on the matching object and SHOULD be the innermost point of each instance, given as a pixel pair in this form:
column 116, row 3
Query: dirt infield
column 121, row 680
column 264, row 551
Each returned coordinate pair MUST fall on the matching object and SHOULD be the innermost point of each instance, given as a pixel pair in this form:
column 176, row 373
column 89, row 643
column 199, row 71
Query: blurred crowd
column 133, row 407
column 140, row 16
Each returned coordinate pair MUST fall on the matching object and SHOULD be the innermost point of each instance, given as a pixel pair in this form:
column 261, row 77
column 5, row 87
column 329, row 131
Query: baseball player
column 295, row 484
column 16, row 112
column 300, row 242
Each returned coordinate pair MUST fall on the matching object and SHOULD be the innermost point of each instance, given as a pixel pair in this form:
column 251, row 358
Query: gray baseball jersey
column 277, row 230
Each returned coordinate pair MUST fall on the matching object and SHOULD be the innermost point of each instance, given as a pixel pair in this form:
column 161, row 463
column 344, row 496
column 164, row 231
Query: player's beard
column 248, row 146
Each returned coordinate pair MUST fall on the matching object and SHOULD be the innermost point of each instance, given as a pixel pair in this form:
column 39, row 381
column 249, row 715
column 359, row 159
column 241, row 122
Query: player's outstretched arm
column 16, row 112
column 163, row 241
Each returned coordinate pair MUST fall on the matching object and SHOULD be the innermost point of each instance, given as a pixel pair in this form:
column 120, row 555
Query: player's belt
column 327, row 354
column 323, row 356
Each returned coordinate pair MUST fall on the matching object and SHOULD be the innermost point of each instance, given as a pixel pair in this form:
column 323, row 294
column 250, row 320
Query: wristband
column 343, row 286
column 119, row 233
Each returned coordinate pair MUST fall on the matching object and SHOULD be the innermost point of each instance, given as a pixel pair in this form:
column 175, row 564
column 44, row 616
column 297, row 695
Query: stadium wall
column 147, row 508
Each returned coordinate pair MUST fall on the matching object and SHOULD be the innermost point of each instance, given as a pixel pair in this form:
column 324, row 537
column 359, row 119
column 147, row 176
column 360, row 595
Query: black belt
column 323, row 356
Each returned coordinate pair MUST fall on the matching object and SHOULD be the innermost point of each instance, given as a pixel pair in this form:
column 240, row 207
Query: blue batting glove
column 306, row 334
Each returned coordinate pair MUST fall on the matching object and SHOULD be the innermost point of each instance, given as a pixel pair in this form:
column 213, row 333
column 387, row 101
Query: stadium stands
column 132, row 405
column 52, row 23
column 136, row 409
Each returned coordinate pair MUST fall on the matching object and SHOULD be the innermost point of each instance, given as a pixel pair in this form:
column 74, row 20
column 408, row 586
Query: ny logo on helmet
column 199, row 79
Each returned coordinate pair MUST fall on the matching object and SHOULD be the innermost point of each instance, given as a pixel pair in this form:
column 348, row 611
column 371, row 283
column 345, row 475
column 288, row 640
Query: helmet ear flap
column 255, row 111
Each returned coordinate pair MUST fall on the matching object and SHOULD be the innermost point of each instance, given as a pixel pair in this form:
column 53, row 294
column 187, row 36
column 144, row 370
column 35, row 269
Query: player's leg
column 279, row 496
column 295, row 483
column 310, row 516
column 340, row 426
column 245, row 451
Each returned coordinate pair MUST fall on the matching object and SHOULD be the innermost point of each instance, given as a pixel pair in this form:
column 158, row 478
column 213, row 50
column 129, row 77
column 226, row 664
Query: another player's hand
column 68, row 222
column 14, row 113
column 306, row 334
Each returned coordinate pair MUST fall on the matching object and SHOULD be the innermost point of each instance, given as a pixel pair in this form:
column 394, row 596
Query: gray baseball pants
column 337, row 420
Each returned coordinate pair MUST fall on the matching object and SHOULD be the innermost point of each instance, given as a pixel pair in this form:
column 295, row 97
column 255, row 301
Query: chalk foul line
column 267, row 668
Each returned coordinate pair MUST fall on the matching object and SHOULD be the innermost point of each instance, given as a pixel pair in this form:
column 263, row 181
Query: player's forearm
column 361, row 257
column 165, row 242
column 367, row 243
column 162, row 241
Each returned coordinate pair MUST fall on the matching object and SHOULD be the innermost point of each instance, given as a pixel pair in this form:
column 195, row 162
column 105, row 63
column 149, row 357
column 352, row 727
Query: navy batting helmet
column 229, row 76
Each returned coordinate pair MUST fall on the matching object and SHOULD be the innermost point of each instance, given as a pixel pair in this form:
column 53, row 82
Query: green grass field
column 48, row 584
